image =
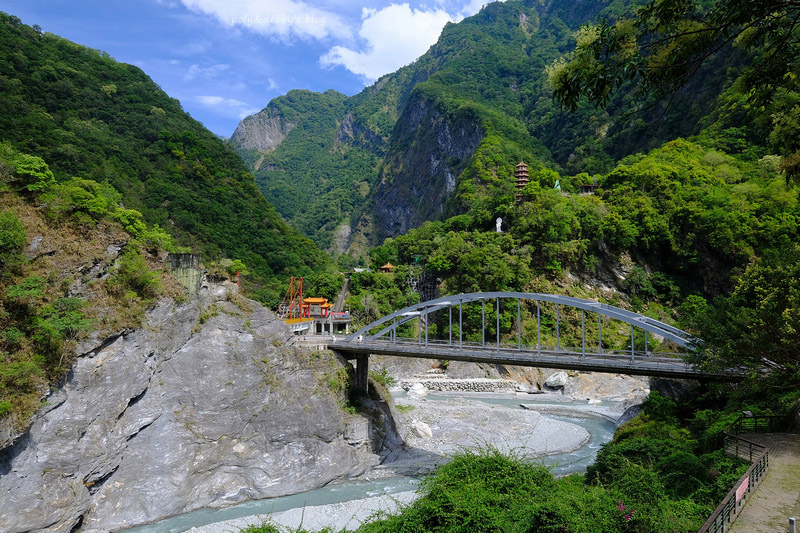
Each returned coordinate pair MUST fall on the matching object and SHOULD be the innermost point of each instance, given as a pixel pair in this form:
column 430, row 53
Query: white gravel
column 456, row 422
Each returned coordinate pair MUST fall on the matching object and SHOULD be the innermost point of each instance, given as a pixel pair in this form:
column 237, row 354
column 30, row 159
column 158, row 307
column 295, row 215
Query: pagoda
column 521, row 175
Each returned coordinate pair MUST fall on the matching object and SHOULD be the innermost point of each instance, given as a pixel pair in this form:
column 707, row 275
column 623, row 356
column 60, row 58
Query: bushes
column 488, row 491
column 132, row 278
column 12, row 239
column 31, row 172
column 475, row 492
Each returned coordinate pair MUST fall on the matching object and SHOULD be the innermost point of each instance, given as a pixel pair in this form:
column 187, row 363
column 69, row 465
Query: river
column 600, row 430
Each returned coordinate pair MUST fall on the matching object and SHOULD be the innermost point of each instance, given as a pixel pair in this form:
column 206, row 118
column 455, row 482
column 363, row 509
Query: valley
column 149, row 370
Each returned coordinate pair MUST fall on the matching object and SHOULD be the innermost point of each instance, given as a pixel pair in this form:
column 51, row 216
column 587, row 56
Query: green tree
column 660, row 45
column 757, row 327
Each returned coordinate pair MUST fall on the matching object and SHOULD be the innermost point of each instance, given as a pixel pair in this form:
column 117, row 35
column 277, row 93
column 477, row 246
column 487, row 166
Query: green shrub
column 21, row 376
column 382, row 376
column 84, row 199
column 682, row 473
column 474, row 492
column 155, row 239
column 133, row 275
column 12, row 239
column 131, row 220
column 659, row 407
column 60, row 321
column 31, row 172
column 30, row 290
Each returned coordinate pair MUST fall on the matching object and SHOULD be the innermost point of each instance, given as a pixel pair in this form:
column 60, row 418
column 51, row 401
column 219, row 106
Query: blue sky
column 226, row 59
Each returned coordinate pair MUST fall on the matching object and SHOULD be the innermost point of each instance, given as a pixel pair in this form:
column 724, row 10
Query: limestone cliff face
column 428, row 152
column 205, row 405
column 263, row 131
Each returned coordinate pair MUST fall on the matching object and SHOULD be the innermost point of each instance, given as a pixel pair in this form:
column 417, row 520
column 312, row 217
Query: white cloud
column 472, row 7
column 283, row 19
column 209, row 73
column 228, row 106
column 273, row 85
column 395, row 36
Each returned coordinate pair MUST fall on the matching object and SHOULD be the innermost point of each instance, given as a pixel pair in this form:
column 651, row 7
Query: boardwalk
column 777, row 497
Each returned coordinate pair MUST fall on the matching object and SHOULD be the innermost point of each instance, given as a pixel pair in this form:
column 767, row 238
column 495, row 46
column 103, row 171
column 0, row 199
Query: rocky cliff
column 263, row 131
column 204, row 405
column 428, row 151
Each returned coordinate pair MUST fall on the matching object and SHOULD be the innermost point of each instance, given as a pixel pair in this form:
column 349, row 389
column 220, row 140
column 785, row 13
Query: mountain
column 87, row 115
column 440, row 137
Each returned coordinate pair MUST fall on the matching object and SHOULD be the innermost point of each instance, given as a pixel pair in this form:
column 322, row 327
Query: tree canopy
column 660, row 45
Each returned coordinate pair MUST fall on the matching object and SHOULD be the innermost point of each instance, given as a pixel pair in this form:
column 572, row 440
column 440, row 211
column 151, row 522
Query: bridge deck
column 617, row 363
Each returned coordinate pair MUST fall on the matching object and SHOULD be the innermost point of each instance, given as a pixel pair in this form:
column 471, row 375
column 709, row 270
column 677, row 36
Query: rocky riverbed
column 439, row 425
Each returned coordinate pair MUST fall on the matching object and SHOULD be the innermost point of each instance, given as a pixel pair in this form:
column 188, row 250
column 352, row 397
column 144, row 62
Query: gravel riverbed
column 453, row 422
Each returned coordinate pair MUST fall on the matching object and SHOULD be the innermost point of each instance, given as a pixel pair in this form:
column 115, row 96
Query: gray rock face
column 427, row 152
column 263, row 131
column 353, row 132
column 203, row 406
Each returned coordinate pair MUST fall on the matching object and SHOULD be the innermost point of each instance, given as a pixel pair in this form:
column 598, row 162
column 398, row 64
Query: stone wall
column 462, row 385
column 186, row 267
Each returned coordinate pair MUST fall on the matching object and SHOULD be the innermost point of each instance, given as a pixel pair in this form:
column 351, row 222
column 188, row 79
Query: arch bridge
column 381, row 338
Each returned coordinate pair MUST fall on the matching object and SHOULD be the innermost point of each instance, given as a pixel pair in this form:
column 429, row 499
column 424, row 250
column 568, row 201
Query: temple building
column 325, row 320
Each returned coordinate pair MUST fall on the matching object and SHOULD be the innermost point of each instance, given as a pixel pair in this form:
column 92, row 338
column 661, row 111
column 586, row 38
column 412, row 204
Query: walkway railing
column 727, row 511
column 758, row 455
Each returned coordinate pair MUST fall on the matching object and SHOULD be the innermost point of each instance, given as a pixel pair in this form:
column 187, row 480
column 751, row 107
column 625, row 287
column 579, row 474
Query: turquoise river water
column 600, row 428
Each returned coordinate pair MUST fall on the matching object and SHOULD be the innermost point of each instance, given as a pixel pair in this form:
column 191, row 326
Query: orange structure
column 522, row 179
column 388, row 267
column 316, row 307
column 311, row 316
column 292, row 303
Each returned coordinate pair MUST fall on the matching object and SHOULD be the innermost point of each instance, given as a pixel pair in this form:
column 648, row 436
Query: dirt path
column 777, row 498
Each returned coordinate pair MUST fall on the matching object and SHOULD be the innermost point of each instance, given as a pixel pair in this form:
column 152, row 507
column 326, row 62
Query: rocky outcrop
column 352, row 132
column 204, row 405
column 427, row 153
column 263, row 131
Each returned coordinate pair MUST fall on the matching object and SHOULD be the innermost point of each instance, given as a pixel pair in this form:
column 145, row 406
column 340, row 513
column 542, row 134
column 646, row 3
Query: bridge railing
column 733, row 502
column 562, row 358
column 509, row 346
column 541, row 307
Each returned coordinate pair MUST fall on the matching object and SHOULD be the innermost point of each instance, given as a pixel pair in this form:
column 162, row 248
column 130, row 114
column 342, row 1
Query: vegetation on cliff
column 488, row 74
column 87, row 115
column 72, row 260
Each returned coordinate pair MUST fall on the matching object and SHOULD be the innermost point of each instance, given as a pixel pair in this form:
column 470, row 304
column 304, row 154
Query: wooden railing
column 757, row 454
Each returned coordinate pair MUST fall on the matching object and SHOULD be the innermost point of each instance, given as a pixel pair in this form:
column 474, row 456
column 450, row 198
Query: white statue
column 499, row 224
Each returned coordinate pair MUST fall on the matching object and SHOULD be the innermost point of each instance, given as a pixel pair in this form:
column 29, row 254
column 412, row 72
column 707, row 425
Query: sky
column 226, row 59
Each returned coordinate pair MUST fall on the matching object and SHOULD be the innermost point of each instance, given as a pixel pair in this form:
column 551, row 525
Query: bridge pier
column 362, row 372
column 361, row 363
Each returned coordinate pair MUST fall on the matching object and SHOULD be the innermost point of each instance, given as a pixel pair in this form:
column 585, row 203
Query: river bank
column 559, row 418
column 457, row 421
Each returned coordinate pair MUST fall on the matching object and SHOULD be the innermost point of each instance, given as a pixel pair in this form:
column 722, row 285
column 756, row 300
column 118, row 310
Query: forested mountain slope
column 87, row 115
column 454, row 123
